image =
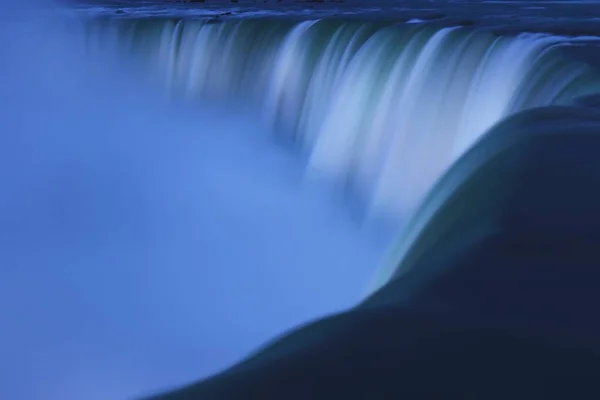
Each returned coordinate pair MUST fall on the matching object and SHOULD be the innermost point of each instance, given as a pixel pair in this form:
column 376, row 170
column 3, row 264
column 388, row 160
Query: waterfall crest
column 385, row 108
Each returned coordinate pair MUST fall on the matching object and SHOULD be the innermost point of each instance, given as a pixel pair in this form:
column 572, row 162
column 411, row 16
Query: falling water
column 384, row 108
column 145, row 242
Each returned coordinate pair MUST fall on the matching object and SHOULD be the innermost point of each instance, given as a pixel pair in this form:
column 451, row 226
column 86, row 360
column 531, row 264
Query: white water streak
column 387, row 112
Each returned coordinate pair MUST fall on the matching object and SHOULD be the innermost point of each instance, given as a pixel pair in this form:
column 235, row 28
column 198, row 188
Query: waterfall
column 383, row 108
column 150, row 234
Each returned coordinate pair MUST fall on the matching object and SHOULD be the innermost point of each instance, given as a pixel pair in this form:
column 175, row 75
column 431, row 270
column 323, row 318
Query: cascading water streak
column 385, row 109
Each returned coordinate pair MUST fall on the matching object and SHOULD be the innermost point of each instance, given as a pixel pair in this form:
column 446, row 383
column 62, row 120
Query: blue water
column 145, row 243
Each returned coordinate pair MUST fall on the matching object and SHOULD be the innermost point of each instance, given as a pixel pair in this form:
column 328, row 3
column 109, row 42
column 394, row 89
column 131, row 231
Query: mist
column 145, row 242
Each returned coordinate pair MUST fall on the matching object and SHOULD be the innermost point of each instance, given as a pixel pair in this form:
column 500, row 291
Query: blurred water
column 384, row 109
column 145, row 243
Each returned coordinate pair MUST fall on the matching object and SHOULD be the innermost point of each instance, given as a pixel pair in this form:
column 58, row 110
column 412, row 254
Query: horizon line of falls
column 385, row 108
